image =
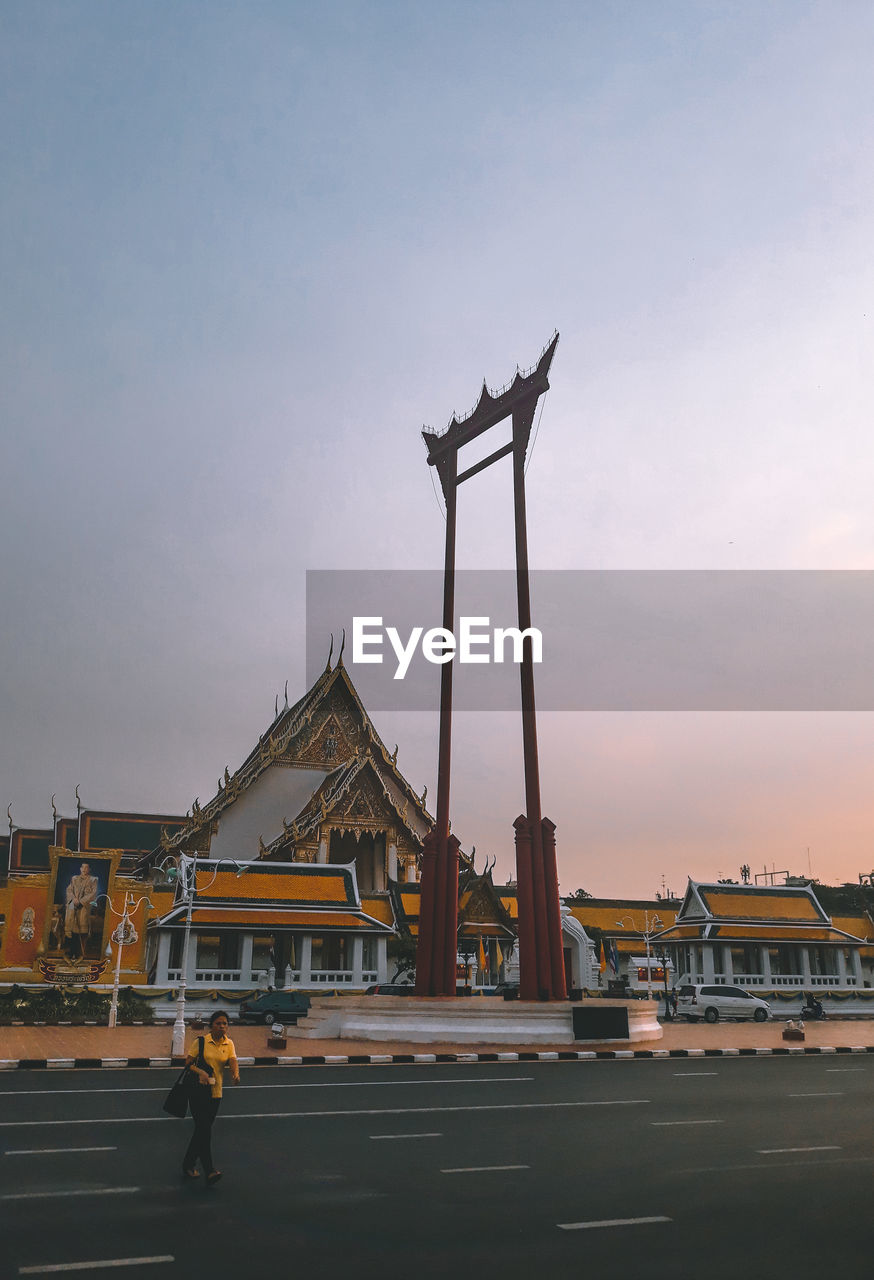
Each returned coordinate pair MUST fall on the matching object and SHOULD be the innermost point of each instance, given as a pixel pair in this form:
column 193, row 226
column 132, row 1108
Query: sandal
column 212, row 1178
column 190, row 1173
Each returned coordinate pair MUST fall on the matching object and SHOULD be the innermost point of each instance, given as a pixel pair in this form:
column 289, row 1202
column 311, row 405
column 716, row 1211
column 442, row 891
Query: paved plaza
column 62, row 1042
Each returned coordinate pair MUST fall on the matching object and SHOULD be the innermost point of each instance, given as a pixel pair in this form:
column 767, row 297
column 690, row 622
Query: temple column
column 392, row 861
column 322, row 855
column 707, row 961
column 805, row 966
column 306, row 958
column 357, row 960
column 765, row 955
column 842, row 966
column 382, row 959
column 856, row 961
column 246, row 958
column 163, row 962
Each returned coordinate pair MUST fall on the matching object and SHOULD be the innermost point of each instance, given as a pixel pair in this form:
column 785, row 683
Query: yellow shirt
column 215, row 1056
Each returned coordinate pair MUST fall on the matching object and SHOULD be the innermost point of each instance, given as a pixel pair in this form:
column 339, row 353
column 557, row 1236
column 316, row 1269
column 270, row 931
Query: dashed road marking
column 100, row 1262
column 55, row 1151
column 78, row 1191
column 610, row 1222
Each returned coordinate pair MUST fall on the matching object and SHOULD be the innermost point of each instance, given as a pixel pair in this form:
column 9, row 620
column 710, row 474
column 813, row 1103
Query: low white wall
column 407, row 1019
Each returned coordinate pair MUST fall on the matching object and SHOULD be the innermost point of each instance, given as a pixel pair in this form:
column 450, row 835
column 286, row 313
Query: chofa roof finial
column 330, row 655
column 342, row 647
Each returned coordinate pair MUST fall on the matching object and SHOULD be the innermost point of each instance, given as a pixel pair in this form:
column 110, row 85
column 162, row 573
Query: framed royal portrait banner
column 78, row 921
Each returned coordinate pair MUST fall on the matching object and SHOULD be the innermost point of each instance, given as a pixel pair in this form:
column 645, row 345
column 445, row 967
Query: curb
column 389, row 1059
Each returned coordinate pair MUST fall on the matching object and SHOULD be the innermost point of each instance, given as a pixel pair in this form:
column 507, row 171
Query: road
column 759, row 1167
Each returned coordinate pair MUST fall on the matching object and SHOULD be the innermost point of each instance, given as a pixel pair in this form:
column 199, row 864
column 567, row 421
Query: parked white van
column 714, row 1002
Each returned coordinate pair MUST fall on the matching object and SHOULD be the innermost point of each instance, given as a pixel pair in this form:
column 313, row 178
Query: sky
column 248, row 250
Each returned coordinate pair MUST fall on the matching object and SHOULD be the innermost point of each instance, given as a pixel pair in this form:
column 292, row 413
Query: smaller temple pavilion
column 284, row 923
column 487, row 931
column 766, row 937
column 778, row 940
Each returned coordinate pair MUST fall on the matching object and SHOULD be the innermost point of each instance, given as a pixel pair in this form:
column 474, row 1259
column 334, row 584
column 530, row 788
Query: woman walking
column 207, row 1059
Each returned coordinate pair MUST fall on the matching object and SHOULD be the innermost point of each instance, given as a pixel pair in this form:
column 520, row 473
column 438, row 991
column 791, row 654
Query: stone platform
column 483, row 1020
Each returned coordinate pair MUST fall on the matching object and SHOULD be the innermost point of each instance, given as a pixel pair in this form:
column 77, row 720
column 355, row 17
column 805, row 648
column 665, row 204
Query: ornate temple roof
column 292, row 895
column 753, row 913
column 305, row 767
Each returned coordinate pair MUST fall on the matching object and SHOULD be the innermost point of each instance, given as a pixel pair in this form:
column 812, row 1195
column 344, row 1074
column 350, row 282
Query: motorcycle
column 813, row 1011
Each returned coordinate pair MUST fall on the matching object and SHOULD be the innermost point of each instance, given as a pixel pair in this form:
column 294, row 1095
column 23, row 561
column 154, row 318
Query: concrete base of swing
column 483, row 1020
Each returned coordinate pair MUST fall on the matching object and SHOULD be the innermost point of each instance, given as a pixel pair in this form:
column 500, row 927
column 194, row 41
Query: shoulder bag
column 179, row 1098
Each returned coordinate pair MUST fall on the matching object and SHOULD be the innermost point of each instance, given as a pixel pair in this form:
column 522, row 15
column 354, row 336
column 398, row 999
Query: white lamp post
column 187, row 878
column 122, row 934
column 651, row 926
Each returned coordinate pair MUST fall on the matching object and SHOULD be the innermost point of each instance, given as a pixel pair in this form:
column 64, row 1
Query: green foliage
column 578, row 895
column 55, row 1004
column 133, row 1008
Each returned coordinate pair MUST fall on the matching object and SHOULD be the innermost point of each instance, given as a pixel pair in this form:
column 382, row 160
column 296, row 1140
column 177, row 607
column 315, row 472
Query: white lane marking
column 609, row 1222
column 316, row 1084
column 371, row 1111
column 393, row 1137
column 669, row 1124
column 79, row 1191
column 787, row 1151
column 814, row 1095
column 767, row 1166
column 842, row 1071
column 100, row 1262
column 55, row 1151
column 487, row 1168
column 691, row 1075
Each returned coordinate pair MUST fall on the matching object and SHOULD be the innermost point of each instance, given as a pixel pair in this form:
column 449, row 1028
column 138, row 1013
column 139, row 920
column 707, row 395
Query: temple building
column 776, row 940
column 302, row 871
column 293, row 859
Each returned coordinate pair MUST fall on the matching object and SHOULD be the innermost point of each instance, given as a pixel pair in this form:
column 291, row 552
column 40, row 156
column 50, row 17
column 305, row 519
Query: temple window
column 329, row 952
column 367, row 853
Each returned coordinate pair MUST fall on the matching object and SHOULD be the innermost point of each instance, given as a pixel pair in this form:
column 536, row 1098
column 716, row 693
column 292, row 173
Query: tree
column 402, row 950
column 578, row 895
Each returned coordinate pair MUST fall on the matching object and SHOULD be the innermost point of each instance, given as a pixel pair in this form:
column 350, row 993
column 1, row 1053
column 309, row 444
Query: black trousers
column 203, row 1112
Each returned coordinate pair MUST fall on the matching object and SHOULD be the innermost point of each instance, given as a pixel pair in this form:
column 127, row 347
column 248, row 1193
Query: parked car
column 714, row 1002
column 391, row 989
column 275, row 1006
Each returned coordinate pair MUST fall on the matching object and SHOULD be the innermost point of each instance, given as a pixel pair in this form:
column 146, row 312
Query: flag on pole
column 500, row 954
column 602, row 964
column 612, row 956
column 482, row 956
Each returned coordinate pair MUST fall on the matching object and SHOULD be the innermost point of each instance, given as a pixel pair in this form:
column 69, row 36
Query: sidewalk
column 150, row 1046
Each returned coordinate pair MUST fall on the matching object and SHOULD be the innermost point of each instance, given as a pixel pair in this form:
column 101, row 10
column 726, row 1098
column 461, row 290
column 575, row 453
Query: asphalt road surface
column 728, row 1167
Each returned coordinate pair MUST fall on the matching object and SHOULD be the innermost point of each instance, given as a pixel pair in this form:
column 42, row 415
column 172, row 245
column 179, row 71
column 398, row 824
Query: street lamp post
column 188, row 879
column 651, row 926
column 186, row 871
column 122, row 934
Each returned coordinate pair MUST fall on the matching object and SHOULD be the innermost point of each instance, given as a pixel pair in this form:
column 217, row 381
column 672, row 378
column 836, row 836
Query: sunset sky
column 247, row 250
